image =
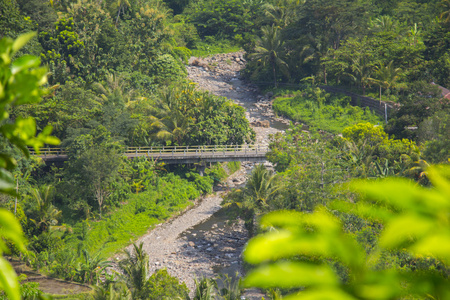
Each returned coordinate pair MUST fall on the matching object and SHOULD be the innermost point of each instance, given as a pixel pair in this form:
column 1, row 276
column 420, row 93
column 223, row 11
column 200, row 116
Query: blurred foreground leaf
column 299, row 250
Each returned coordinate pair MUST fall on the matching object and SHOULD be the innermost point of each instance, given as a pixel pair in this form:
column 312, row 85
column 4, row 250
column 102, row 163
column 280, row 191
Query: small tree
column 94, row 164
column 100, row 166
column 134, row 269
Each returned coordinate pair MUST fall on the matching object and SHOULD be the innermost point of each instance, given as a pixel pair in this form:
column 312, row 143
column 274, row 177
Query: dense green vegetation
column 323, row 257
column 100, row 76
column 315, row 107
column 391, row 50
column 333, row 230
column 116, row 79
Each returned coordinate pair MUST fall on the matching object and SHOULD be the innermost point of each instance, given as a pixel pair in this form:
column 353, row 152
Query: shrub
column 163, row 286
column 166, row 69
column 203, row 183
column 233, row 167
column 217, row 173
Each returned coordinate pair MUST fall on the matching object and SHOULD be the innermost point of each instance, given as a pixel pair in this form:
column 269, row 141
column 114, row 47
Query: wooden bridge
column 177, row 154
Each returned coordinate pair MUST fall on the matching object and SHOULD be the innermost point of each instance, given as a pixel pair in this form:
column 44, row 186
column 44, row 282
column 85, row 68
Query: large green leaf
column 10, row 228
column 328, row 293
column 24, row 62
column 313, row 234
column 289, row 274
column 22, row 40
column 364, row 210
column 434, row 245
column 320, row 219
column 6, row 181
column 405, row 229
column 8, row 280
column 379, row 285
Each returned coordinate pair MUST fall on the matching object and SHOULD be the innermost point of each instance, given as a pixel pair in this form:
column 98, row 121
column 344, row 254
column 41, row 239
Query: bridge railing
column 199, row 151
column 49, row 151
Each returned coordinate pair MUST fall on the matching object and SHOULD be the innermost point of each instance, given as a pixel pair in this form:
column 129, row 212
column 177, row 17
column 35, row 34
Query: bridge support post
column 201, row 168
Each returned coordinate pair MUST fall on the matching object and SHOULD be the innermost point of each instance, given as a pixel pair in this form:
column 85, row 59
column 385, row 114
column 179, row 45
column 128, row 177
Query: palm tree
column 445, row 15
column 91, row 267
column 269, row 50
column 386, row 76
column 205, row 289
column 171, row 127
column 113, row 89
column 46, row 214
column 168, row 121
column 134, row 269
column 315, row 50
column 362, row 71
column 113, row 291
column 262, row 186
column 383, row 24
column 282, row 12
column 120, row 6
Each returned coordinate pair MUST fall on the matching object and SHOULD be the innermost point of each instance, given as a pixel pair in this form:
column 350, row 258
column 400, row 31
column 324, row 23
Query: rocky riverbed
column 202, row 242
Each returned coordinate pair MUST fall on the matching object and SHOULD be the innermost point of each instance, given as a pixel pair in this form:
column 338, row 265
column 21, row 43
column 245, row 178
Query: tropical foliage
column 113, row 76
column 312, row 251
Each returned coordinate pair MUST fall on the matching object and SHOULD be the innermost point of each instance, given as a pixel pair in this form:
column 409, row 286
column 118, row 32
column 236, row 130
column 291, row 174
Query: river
column 202, row 241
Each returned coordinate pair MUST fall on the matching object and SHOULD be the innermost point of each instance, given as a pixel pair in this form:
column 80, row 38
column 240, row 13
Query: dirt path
column 200, row 242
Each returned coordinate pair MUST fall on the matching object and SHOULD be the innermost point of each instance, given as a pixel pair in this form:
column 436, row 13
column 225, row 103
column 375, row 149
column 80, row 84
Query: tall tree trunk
column 118, row 14
column 274, row 75
column 380, row 94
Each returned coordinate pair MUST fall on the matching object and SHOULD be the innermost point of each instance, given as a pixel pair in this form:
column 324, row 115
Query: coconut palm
column 383, row 24
column 120, row 6
column 113, row 291
column 171, row 127
column 386, row 76
column 91, row 267
column 269, row 50
column 262, row 186
column 362, row 70
column 113, row 90
column 282, row 12
column 45, row 213
column 134, row 270
column 168, row 121
column 314, row 51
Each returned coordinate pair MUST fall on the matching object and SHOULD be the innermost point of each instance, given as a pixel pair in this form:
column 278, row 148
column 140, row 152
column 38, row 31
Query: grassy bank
column 170, row 196
column 134, row 218
column 211, row 46
column 313, row 106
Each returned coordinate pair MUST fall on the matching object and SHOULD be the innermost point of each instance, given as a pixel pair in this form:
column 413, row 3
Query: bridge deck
column 177, row 155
